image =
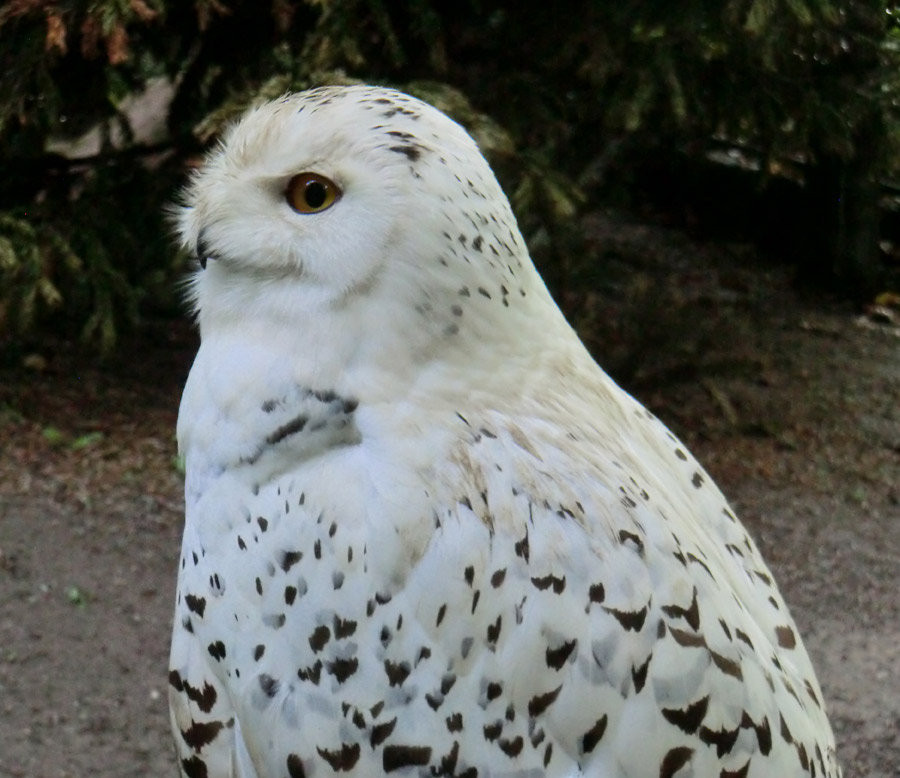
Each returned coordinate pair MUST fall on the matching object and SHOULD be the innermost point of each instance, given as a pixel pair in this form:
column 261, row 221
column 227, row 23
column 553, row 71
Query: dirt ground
column 792, row 402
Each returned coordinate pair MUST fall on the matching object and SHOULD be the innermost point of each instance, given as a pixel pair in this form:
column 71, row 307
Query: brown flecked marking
column 593, row 736
column 493, row 630
column 196, row 604
column 540, row 702
column 764, row 577
column 521, row 547
column 727, row 666
column 397, row 672
column 741, row 772
column 639, row 674
column 175, row 680
column 268, row 685
column 397, row 757
column 630, row 537
column 687, row 719
column 447, row 683
column 512, row 748
column 292, row 427
column 556, row 657
column 320, row 636
column 492, row 731
column 630, row 620
column 785, row 732
column 194, row 767
column 295, row 767
column 786, row 637
column 342, row 669
column 341, row 760
column 674, row 760
column 811, row 692
column 201, row 733
column 289, row 559
column 691, row 614
column 697, row 560
column 722, row 739
column 204, row 698
column 763, row 732
column 312, row 673
column 687, row 639
column 381, row 732
column 546, row 582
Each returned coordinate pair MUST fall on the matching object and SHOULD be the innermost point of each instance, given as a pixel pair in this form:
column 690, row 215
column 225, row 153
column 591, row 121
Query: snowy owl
column 426, row 534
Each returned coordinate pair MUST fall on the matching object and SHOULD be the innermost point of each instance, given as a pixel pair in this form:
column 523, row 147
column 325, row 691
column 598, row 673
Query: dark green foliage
column 558, row 95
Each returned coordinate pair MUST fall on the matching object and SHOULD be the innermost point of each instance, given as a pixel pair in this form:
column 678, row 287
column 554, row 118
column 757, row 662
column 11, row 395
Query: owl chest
column 292, row 563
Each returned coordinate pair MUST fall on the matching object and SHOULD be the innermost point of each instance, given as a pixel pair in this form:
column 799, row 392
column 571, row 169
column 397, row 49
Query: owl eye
column 311, row 193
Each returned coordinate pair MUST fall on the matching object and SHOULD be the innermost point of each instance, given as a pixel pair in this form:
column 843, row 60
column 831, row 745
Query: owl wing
column 527, row 602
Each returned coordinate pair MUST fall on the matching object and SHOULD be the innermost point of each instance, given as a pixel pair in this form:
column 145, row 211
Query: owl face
column 325, row 188
column 289, row 196
column 358, row 229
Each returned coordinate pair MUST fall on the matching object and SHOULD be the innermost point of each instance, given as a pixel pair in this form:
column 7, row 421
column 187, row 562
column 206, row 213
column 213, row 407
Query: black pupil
column 315, row 194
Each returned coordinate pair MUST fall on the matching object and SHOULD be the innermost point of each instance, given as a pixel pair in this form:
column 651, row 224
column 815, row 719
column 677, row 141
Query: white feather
column 425, row 532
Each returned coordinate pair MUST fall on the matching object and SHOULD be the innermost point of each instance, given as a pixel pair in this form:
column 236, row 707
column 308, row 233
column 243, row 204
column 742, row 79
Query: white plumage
column 425, row 533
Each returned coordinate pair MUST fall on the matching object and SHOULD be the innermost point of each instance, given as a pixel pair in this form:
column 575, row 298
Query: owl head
column 360, row 213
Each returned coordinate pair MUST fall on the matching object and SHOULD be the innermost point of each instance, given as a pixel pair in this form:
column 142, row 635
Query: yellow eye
column 311, row 193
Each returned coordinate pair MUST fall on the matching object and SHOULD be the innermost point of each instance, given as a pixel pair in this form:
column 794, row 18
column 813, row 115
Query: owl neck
column 400, row 334
column 273, row 390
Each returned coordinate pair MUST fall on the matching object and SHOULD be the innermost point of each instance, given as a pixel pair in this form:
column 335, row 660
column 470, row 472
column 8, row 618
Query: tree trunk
column 855, row 258
column 843, row 249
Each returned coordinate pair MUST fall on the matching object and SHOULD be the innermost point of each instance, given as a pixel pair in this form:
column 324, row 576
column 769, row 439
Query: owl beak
column 203, row 250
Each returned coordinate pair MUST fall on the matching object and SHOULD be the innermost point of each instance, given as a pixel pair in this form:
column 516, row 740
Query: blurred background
column 711, row 189
column 773, row 122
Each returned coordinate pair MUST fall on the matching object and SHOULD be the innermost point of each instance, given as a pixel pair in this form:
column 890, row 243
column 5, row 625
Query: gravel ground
column 792, row 403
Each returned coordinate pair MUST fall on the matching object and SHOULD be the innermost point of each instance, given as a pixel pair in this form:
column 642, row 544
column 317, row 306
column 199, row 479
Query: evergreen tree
column 553, row 94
